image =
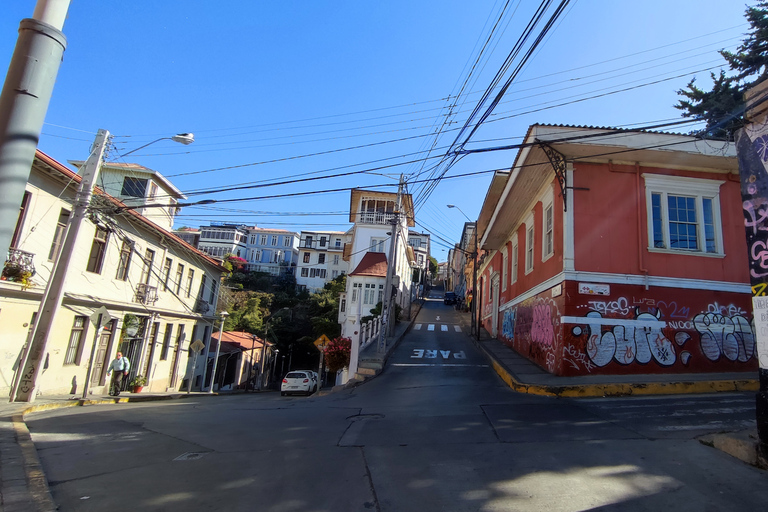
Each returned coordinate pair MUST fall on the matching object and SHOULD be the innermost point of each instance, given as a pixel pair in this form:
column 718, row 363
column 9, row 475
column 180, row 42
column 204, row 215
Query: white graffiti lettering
column 730, row 310
column 723, row 336
column 637, row 340
column 681, row 325
column 619, row 306
column 577, row 359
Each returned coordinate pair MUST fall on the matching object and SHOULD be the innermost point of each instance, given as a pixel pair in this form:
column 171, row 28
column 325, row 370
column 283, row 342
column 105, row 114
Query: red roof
column 373, row 264
column 244, row 339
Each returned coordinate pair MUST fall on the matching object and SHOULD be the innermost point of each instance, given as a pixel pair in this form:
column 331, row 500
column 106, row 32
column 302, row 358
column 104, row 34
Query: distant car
column 303, row 381
column 450, row 298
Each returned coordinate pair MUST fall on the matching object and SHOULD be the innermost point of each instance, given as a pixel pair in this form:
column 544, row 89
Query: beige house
column 160, row 293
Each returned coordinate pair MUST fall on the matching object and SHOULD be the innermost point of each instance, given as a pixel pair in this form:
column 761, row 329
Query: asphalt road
column 436, row 431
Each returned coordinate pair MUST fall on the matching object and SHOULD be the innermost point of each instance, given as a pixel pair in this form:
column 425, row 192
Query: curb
column 624, row 389
column 37, row 484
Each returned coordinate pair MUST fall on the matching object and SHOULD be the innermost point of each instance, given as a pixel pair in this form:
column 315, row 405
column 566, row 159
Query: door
column 495, row 305
column 102, row 357
column 176, row 354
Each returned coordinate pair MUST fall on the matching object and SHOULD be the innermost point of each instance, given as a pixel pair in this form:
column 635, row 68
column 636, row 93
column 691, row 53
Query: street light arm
column 182, row 138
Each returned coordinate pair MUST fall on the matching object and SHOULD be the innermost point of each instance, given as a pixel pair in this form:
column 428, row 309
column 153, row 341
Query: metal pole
column 261, row 357
column 224, row 316
column 475, row 324
column 24, row 102
column 192, row 376
column 54, row 291
column 386, row 313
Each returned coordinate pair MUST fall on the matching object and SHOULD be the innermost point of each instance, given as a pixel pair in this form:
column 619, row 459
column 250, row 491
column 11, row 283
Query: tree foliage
column 722, row 106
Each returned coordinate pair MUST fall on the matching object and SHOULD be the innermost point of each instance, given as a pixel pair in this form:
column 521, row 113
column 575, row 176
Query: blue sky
column 276, row 91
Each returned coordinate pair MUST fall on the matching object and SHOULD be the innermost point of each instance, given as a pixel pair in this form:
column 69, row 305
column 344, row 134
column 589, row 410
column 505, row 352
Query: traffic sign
column 105, row 317
column 197, row 346
column 322, row 341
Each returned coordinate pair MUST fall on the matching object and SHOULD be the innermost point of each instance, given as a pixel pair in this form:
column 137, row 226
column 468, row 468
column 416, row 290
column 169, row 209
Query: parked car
column 302, row 381
column 449, row 298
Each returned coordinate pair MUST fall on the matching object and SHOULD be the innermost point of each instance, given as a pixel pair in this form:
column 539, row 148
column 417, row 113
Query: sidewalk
column 23, row 486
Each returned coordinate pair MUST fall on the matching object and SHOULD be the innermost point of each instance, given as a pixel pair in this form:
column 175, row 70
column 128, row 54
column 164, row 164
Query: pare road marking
column 420, row 353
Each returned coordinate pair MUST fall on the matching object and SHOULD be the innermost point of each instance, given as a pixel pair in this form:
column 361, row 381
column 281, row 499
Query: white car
column 301, row 381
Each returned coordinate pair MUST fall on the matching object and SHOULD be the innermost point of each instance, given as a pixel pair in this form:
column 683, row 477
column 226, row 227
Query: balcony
column 18, row 267
column 202, row 306
column 378, row 218
column 145, row 294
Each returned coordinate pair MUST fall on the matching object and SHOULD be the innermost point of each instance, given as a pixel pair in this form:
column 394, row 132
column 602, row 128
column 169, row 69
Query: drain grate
column 190, row 456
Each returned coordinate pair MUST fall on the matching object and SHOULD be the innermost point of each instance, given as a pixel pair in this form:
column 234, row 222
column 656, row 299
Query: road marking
column 437, row 318
column 431, row 327
column 444, row 328
column 417, row 327
column 457, row 328
column 416, row 365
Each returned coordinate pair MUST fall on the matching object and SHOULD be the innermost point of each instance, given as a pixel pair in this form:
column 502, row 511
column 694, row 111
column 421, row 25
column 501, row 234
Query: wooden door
column 102, row 357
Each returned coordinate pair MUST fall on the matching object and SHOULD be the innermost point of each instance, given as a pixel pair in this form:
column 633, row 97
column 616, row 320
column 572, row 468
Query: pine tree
column 722, row 106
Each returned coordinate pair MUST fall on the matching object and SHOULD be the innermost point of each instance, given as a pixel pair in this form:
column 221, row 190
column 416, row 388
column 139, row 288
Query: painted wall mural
column 632, row 332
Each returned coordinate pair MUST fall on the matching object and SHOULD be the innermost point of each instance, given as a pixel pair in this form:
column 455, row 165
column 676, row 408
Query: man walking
column 120, row 365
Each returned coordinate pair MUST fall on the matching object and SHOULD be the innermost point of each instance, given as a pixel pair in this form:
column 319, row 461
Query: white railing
column 369, row 332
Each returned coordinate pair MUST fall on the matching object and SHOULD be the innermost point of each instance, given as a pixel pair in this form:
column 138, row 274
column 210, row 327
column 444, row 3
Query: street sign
column 197, row 346
column 105, row 317
column 322, row 341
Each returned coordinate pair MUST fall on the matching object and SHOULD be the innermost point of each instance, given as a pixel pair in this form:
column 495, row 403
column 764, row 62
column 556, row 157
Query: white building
column 160, row 292
column 220, row 239
column 320, row 258
column 367, row 254
column 421, row 249
column 136, row 186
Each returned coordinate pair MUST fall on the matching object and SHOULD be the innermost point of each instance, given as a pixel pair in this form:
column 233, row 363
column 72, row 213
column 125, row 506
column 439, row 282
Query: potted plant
column 137, row 383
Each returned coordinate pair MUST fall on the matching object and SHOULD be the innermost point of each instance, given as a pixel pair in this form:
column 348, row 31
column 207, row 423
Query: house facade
column 420, row 242
column 618, row 252
column 274, row 251
column 320, row 258
column 368, row 253
column 159, row 293
column 219, row 239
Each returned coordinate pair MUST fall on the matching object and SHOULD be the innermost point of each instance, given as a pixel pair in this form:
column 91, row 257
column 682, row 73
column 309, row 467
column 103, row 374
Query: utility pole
column 475, row 324
column 54, row 291
column 24, row 102
column 387, row 311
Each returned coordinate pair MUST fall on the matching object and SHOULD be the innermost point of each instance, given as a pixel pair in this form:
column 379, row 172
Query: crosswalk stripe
column 444, row 328
column 457, row 328
column 417, row 327
column 431, row 327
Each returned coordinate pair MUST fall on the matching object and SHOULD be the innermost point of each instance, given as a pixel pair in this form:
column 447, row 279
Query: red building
column 618, row 252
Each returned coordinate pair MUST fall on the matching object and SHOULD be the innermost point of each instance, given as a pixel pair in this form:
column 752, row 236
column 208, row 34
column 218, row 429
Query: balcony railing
column 375, row 218
column 146, row 294
column 202, row 306
column 19, row 266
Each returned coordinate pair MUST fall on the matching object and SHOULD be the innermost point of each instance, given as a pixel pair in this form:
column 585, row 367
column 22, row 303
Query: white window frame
column 286, row 241
column 273, row 240
column 687, row 187
column 504, row 267
column 530, row 240
column 356, row 287
column 548, row 231
column 263, row 240
column 515, row 259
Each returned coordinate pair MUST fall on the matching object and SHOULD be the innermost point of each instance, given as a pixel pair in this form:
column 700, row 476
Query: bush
column 337, row 354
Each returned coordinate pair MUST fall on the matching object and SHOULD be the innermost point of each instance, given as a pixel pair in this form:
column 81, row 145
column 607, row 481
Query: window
column 370, row 290
column 58, row 235
column 134, row 187
column 376, row 211
column 16, row 240
column 334, row 274
column 514, row 261
column 274, row 240
column 152, row 190
column 190, row 278
column 381, row 293
column 337, row 243
column 322, row 241
column 213, row 292
column 179, row 275
column 683, row 214
column 304, row 272
column 146, row 272
column 421, row 260
column 166, row 342
column 257, row 255
column 548, row 232
column 98, row 249
column 76, row 338
column 263, row 240
column 504, row 267
column 356, row 291
column 125, row 260
column 306, row 257
column 321, row 258
column 377, row 244
column 286, row 241
column 201, row 294
column 166, row 272
column 343, row 306
column 415, row 242
column 335, row 259
column 529, row 249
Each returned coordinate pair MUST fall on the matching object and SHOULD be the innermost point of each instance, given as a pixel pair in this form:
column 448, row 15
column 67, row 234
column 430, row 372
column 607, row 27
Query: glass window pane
column 658, row 235
column 709, row 226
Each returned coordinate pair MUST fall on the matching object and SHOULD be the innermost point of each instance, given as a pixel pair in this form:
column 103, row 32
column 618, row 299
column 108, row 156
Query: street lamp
column 473, row 320
column 263, row 346
column 181, row 138
column 223, row 316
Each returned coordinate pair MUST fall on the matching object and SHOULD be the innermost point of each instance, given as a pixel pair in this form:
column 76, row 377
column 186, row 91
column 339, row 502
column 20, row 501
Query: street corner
column 742, row 445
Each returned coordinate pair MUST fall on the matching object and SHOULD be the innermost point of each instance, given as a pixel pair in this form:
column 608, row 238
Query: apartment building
column 320, row 258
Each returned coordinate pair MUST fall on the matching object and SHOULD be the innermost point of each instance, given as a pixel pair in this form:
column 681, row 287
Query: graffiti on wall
column 508, row 324
column 532, row 328
column 661, row 334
